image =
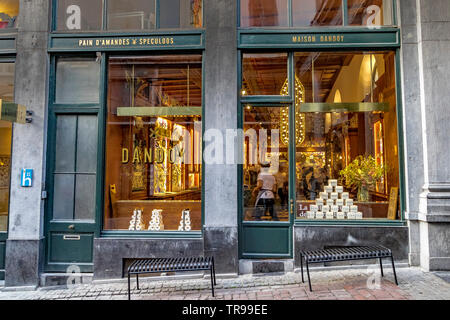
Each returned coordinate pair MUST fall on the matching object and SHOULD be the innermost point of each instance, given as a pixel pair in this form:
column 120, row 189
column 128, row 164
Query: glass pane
column 180, row 14
column 264, row 13
column 264, row 74
column 306, row 13
column 87, row 144
column 346, row 144
column 79, row 15
column 63, row 196
column 153, row 155
column 6, row 94
column 370, row 13
column 134, row 15
column 266, row 166
column 77, row 81
column 9, row 12
column 155, row 81
column 85, row 197
column 65, row 143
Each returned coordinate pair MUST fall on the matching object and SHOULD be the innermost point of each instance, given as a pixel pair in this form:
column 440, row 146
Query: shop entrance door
column 74, row 161
column 267, row 190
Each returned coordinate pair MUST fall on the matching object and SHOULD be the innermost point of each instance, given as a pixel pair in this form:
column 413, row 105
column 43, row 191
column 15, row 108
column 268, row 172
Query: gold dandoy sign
column 318, row 38
column 132, row 41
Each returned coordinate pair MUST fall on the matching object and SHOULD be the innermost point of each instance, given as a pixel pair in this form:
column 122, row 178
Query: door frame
column 82, row 227
column 245, row 226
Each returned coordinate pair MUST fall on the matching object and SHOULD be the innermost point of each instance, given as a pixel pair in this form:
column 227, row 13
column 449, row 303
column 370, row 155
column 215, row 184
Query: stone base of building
column 24, row 262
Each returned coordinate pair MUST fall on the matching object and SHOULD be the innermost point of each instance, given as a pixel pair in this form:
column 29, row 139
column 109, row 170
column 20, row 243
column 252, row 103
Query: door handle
column 292, row 206
column 71, row 227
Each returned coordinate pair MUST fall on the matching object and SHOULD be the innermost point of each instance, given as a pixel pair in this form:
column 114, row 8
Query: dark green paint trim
column 266, row 99
column 385, row 37
column 92, row 42
column 345, row 12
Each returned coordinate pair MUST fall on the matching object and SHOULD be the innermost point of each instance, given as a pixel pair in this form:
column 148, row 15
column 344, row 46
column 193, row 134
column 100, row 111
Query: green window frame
column 345, row 22
column 100, row 110
column 104, row 18
column 268, row 39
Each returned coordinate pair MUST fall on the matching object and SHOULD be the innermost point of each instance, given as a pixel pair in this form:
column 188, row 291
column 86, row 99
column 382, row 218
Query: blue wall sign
column 26, row 178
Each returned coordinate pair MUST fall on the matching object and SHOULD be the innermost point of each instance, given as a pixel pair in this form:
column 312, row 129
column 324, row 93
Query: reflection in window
column 307, row 13
column 6, row 94
column 370, row 13
column 153, row 142
column 134, row 15
column 264, row 74
column 9, row 11
column 79, row 15
column 347, row 165
column 266, row 166
column 264, row 13
column 180, row 14
column 77, row 81
column 75, row 167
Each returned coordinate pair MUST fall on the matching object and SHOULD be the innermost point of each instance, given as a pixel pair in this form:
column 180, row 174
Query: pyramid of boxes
column 156, row 221
column 185, row 222
column 136, row 221
column 334, row 203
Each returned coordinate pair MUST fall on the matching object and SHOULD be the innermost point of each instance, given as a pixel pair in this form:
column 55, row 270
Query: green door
column 266, row 187
column 73, row 162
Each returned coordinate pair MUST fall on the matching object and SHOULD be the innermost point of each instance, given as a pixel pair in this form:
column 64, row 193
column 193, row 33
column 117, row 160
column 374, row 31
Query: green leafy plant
column 363, row 173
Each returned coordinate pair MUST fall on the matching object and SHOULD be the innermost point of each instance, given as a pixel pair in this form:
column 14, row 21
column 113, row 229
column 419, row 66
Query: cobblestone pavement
column 352, row 284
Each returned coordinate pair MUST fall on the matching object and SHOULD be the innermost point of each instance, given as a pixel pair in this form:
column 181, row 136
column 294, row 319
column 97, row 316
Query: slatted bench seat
column 346, row 254
column 160, row 265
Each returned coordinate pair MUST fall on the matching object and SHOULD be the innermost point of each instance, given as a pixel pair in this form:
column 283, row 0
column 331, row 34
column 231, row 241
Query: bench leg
column 212, row 280
column 137, row 281
column 301, row 266
column 129, row 291
column 381, row 267
column 309, row 278
column 393, row 268
column 214, row 271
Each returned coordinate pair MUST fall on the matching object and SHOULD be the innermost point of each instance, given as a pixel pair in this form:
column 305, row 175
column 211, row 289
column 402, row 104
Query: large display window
column 153, row 169
column 315, row 13
column 9, row 12
column 346, row 147
column 7, row 95
column 84, row 15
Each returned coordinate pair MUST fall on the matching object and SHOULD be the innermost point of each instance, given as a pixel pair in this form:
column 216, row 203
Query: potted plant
column 363, row 173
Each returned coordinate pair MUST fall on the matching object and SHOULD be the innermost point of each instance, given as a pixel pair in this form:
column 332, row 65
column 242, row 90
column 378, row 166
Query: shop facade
column 247, row 130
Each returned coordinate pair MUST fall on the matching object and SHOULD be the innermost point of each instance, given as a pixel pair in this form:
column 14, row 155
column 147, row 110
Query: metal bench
column 160, row 265
column 346, row 254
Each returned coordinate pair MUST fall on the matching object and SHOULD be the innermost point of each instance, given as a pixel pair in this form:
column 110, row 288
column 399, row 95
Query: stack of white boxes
column 136, row 223
column 334, row 203
column 156, row 222
column 185, row 222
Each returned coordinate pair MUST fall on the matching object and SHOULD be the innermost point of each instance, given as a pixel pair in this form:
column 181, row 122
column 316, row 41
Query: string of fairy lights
column 300, row 128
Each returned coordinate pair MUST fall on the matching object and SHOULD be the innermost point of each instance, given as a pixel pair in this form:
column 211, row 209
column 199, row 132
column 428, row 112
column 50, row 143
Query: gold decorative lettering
column 124, row 155
column 148, row 156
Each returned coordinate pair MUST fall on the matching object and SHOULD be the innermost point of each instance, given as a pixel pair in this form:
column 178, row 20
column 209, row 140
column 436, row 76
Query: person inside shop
column 282, row 185
column 265, row 193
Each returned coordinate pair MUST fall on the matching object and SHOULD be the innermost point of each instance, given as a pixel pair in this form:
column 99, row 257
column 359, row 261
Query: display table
column 171, row 213
column 370, row 210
